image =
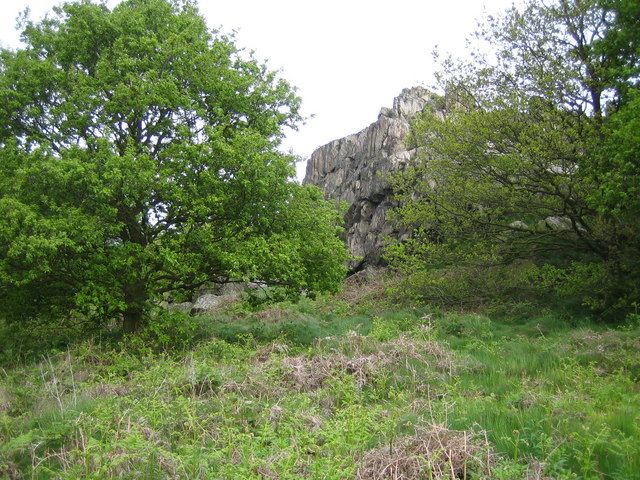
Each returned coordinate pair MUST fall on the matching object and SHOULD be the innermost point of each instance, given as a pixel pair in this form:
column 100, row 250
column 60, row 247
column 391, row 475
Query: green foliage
column 282, row 322
column 554, row 400
column 616, row 166
column 139, row 156
column 533, row 158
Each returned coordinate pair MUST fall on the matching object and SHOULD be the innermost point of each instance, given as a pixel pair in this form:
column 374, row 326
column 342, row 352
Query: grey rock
column 519, row 225
column 232, row 289
column 209, row 298
column 217, row 296
column 207, row 302
column 354, row 169
column 556, row 224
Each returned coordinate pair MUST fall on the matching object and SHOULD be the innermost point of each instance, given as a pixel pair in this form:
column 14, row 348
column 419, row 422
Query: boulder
column 209, row 299
column 218, row 296
column 519, row 225
column 556, row 224
column 207, row 302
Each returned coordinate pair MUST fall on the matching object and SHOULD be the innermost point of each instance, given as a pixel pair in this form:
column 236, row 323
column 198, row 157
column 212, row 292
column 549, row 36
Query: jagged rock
column 353, row 169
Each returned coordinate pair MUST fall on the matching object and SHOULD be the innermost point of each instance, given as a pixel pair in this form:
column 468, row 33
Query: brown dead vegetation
column 5, row 399
column 263, row 354
column 305, row 373
column 10, row 471
column 363, row 286
column 274, row 372
column 590, row 341
column 109, row 390
column 433, row 453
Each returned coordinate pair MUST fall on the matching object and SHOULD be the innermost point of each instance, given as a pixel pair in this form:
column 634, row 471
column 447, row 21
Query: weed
column 313, row 390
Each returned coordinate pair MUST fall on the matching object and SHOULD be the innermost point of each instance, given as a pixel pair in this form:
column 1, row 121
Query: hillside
column 341, row 387
column 453, row 292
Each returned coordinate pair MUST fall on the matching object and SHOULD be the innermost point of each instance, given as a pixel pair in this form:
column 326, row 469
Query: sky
column 348, row 58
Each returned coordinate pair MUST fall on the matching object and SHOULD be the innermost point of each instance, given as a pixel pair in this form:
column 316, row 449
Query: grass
column 331, row 389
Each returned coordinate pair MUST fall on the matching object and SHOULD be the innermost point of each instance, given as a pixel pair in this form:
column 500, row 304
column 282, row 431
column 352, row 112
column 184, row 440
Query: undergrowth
column 335, row 388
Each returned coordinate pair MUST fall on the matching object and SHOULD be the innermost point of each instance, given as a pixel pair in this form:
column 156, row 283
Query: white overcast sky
column 348, row 58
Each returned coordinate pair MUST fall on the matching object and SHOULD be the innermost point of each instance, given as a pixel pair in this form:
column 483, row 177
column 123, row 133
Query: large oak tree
column 138, row 155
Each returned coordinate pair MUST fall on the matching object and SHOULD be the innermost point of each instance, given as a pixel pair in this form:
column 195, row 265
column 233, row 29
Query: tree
column 139, row 156
column 616, row 168
column 513, row 166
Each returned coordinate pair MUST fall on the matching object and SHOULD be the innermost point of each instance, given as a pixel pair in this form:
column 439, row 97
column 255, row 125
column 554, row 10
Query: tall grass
column 321, row 390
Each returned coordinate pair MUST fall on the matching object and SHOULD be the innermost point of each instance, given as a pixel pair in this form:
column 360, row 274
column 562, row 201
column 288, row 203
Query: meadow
column 347, row 386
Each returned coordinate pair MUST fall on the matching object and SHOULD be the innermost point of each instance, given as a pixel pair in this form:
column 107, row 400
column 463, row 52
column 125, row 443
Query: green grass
column 312, row 390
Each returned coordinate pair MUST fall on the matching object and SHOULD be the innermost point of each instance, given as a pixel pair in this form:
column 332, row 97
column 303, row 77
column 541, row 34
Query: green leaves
column 533, row 155
column 617, row 167
column 139, row 156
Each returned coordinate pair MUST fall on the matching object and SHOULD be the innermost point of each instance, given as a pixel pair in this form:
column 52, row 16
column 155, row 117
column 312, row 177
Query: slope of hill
column 342, row 387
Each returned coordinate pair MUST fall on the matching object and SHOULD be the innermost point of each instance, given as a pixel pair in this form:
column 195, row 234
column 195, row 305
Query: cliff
column 354, row 169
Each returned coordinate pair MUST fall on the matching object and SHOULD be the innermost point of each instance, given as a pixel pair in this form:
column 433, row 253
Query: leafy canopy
column 534, row 153
column 139, row 156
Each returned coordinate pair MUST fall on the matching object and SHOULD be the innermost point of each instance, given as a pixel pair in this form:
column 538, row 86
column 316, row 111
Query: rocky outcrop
column 354, row 169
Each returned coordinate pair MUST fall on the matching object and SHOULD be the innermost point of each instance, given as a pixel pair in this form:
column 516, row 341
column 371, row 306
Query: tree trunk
column 135, row 296
column 132, row 320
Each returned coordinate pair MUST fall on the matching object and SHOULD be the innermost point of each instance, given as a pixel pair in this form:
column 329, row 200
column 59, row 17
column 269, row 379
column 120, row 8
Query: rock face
column 353, row 169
